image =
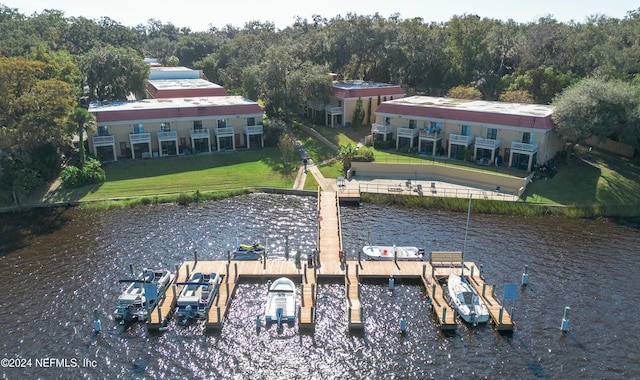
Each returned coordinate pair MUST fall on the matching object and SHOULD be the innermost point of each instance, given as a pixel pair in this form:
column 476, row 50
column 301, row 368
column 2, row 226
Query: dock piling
column 391, row 282
column 133, row 275
column 565, row 320
column 177, row 270
column 97, row 325
column 525, row 276
column 188, row 272
column 403, row 323
column 195, row 257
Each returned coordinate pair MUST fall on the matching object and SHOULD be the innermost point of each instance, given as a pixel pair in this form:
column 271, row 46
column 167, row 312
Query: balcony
column 408, row 132
column 460, row 139
column 199, row 133
column 103, row 140
column 381, row 129
column 524, row 148
column 167, row 136
column 333, row 110
column 491, row 144
column 224, row 132
column 253, row 129
column 140, row 138
column 431, row 135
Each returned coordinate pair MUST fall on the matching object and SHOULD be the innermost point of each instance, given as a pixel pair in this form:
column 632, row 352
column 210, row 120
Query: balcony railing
column 408, row 132
column 199, row 133
column 381, row 129
column 520, row 147
column 333, row 110
column 223, row 132
column 460, row 139
column 167, row 135
column 139, row 138
column 431, row 135
column 253, row 129
column 103, row 140
column 491, row 144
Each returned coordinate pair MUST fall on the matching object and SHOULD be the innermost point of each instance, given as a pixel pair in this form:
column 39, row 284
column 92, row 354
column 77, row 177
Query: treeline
column 50, row 63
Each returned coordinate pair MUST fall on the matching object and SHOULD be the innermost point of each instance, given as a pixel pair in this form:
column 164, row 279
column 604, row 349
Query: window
column 413, row 124
column 387, row 120
column 103, row 130
column 138, row 128
column 492, row 133
column 526, row 138
column 251, row 121
column 222, row 123
column 465, row 130
column 339, row 103
column 435, row 126
column 165, row 127
column 197, row 125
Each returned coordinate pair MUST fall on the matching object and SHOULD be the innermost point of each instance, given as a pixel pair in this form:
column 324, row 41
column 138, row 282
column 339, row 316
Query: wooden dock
column 329, row 263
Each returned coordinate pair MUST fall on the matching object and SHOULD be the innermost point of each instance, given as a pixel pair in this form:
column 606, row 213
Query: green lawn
column 171, row 175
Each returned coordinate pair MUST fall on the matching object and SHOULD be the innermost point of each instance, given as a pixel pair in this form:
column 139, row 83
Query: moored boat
column 248, row 252
column 281, row 301
column 389, row 253
column 197, row 295
column 142, row 294
column 466, row 301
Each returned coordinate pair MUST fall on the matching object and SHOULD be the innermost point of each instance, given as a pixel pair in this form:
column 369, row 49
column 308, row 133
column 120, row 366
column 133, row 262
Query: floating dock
column 328, row 263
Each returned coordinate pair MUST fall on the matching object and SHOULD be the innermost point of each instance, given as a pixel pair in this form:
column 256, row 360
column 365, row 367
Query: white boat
column 281, row 303
column 248, row 252
column 388, row 253
column 197, row 295
column 468, row 304
column 142, row 294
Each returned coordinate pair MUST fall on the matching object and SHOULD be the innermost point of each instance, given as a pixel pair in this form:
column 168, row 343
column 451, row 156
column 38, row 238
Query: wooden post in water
column 264, row 259
column 346, row 270
column 484, row 287
column 177, row 271
column 195, row 258
column 188, row 273
column 313, row 294
column 444, row 314
column 302, row 293
column 226, row 277
column 472, row 268
column 500, row 315
column 348, row 298
column 133, row 275
column 159, row 314
column 304, row 272
column 174, row 290
column 228, row 256
column 235, row 268
column 358, row 272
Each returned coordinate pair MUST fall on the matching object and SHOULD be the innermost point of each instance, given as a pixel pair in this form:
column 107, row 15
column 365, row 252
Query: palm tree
column 347, row 151
column 85, row 122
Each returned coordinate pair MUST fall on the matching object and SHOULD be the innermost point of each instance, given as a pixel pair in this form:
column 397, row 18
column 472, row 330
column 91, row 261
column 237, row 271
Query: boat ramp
column 328, row 263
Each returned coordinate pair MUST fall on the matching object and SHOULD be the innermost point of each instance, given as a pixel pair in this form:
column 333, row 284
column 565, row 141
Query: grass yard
column 171, row 175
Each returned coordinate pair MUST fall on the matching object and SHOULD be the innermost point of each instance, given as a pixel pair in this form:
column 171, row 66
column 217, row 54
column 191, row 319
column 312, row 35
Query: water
column 61, row 265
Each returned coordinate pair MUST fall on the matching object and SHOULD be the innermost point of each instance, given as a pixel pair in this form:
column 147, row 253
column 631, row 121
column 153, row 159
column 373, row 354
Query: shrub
column 90, row 173
column 363, row 155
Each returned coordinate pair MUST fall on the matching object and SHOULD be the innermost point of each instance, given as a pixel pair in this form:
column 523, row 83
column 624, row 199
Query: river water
column 57, row 266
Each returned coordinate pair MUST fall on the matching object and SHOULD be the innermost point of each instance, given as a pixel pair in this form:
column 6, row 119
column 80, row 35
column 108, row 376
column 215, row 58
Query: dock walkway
column 328, row 262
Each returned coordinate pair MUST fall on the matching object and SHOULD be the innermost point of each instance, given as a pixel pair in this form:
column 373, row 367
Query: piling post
column 395, row 255
column 424, row 271
column 481, row 271
column 346, row 270
column 228, row 256
column 358, row 272
column 177, row 270
column 159, row 313
column 500, row 315
column 302, row 294
column 304, row 272
column 472, row 268
column 226, row 277
column 391, row 282
column 484, row 287
column 235, row 268
column 264, row 260
column 444, row 314
column 348, row 298
column 525, row 276
column 433, row 272
column 565, row 320
column 218, row 315
column 133, row 275
column 227, row 288
column 403, row 323
column 313, row 294
column 97, row 325
column 359, row 256
column 175, row 291
column 195, row 257
column 188, row 272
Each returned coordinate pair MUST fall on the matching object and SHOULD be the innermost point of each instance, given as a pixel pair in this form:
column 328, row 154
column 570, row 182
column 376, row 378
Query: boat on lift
column 196, row 297
column 466, row 301
column 389, row 253
column 248, row 252
column 281, row 301
column 142, row 294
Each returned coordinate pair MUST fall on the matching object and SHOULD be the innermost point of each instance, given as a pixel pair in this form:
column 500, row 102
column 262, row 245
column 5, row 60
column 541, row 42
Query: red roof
column 472, row 116
column 368, row 92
